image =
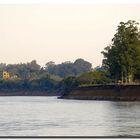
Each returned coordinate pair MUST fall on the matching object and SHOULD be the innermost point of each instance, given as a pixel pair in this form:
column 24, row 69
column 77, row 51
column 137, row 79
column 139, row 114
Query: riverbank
column 105, row 92
column 28, row 93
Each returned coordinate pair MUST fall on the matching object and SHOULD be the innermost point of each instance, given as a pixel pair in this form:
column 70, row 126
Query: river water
column 49, row 116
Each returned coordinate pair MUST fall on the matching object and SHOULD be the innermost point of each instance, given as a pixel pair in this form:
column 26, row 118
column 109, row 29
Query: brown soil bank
column 106, row 92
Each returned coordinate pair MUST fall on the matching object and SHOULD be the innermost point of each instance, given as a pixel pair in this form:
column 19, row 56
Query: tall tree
column 122, row 57
column 68, row 68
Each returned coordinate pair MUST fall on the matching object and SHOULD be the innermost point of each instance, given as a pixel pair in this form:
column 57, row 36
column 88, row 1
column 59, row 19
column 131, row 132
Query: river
column 49, row 116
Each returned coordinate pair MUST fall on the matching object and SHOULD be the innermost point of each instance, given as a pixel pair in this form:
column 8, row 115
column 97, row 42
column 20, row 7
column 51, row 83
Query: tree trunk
column 125, row 79
column 122, row 78
column 130, row 78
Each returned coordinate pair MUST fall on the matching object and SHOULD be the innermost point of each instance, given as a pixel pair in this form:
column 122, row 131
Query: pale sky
column 60, row 32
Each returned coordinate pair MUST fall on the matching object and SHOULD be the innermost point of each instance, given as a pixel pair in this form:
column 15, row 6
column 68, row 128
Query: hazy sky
column 55, row 32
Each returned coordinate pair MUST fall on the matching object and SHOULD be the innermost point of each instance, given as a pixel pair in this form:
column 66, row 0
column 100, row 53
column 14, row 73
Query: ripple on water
column 49, row 116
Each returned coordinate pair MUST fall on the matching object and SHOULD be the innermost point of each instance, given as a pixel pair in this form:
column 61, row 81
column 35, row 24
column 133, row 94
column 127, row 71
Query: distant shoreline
column 28, row 93
column 105, row 92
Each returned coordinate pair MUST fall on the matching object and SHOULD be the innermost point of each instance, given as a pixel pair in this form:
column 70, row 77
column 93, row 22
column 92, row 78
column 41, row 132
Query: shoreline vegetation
column 117, row 79
column 120, row 66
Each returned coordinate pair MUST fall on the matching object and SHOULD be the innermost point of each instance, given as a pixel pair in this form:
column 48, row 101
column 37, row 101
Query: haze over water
column 49, row 116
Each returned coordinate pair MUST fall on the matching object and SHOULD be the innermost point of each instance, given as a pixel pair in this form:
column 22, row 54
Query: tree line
column 31, row 76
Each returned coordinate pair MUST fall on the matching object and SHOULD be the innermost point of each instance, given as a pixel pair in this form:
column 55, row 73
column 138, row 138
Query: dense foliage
column 66, row 69
column 43, row 84
column 31, row 76
column 68, row 84
column 122, row 57
column 94, row 77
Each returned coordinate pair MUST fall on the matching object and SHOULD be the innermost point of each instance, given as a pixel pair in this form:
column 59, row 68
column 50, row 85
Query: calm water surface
column 49, row 116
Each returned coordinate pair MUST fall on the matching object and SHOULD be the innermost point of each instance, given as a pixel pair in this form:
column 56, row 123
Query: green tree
column 24, row 71
column 68, row 84
column 122, row 57
column 68, row 68
column 94, row 77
